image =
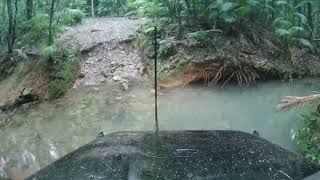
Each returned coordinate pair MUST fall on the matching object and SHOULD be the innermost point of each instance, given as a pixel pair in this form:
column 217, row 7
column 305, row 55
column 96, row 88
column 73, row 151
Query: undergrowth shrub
column 70, row 17
column 165, row 48
column 64, row 70
column 36, row 30
column 309, row 137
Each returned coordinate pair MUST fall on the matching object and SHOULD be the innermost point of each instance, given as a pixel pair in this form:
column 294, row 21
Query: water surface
column 50, row 130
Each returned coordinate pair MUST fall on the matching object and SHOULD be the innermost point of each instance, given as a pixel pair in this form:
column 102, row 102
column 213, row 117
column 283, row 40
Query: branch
column 291, row 102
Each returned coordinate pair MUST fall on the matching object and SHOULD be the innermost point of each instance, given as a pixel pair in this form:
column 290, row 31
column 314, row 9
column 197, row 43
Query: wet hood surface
column 179, row 155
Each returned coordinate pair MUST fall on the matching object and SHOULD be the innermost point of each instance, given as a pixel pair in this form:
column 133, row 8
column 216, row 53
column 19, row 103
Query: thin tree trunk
column 30, row 9
column 13, row 38
column 2, row 36
column 92, row 8
column 309, row 15
column 10, row 26
column 50, row 23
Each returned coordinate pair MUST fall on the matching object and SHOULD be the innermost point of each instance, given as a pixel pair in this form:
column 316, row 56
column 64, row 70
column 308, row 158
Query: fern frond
column 282, row 32
column 281, row 3
column 302, row 17
column 306, row 43
column 228, row 6
column 295, row 29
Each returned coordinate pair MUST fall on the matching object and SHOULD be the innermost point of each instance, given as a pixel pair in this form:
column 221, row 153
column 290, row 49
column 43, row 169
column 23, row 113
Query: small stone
column 118, row 98
column 124, row 81
column 133, row 96
column 117, row 78
column 104, row 74
column 125, row 86
column 141, row 71
column 26, row 91
column 81, row 75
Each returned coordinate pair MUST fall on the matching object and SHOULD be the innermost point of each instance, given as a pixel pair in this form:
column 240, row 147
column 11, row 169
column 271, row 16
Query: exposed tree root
column 228, row 73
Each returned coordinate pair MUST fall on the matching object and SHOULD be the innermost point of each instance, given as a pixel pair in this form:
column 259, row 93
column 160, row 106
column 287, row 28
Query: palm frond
column 295, row 29
column 281, row 3
column 225, row 7
column 306, row 43
column 291, row 102
column 282, row 32
column 302, row 17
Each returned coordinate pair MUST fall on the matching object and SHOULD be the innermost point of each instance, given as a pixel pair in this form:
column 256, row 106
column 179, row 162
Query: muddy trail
column 108, row 57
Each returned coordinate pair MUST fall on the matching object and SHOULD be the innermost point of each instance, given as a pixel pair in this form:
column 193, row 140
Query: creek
column 50, row 130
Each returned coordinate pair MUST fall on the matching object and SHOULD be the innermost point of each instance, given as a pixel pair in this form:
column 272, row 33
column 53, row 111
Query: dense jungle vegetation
column 29, row 28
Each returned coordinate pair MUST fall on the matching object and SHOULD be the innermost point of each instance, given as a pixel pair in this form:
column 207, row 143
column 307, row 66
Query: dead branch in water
column 291, row 102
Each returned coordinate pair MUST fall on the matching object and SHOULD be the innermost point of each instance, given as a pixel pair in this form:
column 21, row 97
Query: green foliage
column 35, row 30
column 222, row 11
column 309, row 137
column 198, row 38
column 64, row 70
column 287, row 30
column 70, row 17
column 111, row 7
column 165, row 48
column 49, row 51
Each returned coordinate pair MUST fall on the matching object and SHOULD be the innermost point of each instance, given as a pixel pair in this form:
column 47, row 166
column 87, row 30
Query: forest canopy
column 28, row 22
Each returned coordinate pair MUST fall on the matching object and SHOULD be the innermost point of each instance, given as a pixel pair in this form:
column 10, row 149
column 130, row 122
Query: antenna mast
column 156, row 80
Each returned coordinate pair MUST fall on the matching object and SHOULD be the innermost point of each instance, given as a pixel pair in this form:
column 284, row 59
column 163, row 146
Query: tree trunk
column 13, row 37
column 10, row 26
column 309, row 15
column 50, row 23
column 30, row 9
column 92, row 8
column 3, row 35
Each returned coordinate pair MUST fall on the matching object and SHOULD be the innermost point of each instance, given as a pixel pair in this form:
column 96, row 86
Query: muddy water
column 50, row 130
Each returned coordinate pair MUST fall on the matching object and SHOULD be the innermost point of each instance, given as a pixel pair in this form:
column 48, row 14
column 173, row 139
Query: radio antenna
column 156, row 81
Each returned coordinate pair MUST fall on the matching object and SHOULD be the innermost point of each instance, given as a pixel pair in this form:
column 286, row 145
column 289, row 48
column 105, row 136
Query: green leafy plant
column 49, row 51
column 64, row 70
column 165, row 48
column 70, row 17
column 309, row 137
column 288, row 32
column 198, row 38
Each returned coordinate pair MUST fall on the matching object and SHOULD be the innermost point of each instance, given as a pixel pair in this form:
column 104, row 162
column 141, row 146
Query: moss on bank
column 64, row 69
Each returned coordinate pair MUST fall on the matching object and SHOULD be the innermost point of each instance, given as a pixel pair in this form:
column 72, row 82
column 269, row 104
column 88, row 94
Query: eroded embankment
column 96, row 52
column 215, row 57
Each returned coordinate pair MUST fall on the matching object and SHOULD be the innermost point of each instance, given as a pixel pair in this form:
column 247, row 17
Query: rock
column 117, row 78
column 118, row 98
column 27, row 95
column 4, row 118
column 104, row 74
column 142, row 71
column 124, row 86
column 26, row 91
column 81, row 75
column 26, row 107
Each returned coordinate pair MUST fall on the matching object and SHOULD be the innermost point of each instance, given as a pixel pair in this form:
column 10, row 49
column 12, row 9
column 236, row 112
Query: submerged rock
column 4, row 118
